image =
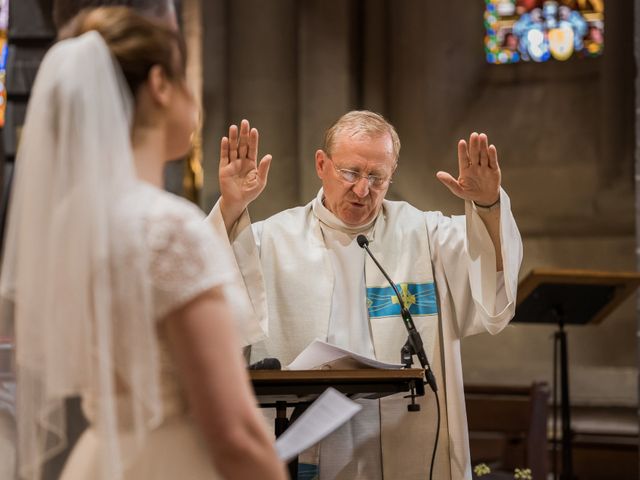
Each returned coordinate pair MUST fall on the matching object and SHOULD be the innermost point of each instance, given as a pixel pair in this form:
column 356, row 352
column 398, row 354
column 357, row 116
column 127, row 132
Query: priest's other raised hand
column 242, row 178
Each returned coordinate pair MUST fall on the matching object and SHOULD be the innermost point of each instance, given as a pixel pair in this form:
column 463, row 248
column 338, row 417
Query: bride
column 116, row 287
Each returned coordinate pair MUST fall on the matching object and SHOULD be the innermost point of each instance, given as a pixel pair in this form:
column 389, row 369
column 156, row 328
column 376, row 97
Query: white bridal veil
column 82, row 314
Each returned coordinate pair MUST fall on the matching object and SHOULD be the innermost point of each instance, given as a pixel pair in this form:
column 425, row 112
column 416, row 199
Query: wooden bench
column 508, row 427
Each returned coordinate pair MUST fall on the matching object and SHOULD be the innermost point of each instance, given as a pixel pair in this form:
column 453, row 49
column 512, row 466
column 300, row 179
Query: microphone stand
column 413, row 346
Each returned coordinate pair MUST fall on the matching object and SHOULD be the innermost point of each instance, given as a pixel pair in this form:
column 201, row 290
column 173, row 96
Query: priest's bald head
column 356, row 163
column 65, row 10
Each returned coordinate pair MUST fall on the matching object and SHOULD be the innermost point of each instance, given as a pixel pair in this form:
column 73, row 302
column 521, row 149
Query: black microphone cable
column 416, row 343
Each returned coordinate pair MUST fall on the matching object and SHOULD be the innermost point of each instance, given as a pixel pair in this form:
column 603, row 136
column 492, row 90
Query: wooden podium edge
column 329, row 374
column 625, row 284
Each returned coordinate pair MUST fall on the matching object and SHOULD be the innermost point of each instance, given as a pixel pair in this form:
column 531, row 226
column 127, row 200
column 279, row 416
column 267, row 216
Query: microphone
column 266, row 364
column 415, row 340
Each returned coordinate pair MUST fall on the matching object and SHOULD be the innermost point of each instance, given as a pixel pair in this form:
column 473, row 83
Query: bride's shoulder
column 148, row 204
column 161, row 204
column 163, row 217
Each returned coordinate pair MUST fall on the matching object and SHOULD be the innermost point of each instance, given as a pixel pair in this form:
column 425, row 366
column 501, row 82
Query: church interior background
column 565, row 129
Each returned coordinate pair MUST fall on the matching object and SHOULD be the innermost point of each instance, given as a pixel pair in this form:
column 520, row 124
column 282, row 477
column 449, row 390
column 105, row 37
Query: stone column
column 215, row 101
column 325, row 73
column 262, row 87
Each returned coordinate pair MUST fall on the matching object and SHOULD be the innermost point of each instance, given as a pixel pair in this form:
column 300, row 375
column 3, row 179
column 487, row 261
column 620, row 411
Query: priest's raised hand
column 242, row 178
column 479, row 182
column 479, row 173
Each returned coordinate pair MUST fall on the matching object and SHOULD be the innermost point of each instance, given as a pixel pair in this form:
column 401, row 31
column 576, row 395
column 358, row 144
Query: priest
column 306, row 277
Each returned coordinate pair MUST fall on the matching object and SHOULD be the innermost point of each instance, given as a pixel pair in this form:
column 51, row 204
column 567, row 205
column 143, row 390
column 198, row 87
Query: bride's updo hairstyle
column 136, row 42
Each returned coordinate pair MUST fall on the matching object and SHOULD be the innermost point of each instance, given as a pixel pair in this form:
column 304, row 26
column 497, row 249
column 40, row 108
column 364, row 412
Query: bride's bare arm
column 206, row 350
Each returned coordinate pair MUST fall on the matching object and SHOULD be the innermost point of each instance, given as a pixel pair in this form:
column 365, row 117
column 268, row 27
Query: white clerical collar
column 329, row 219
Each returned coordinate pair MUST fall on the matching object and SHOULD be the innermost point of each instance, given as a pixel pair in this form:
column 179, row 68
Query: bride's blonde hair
column 136, row 42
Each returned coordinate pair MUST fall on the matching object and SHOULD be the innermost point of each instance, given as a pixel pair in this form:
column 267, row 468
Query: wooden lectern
column 281, row 389
column 569, row 297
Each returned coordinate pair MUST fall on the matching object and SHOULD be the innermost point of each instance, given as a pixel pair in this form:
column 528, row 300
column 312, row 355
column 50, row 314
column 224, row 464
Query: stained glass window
column 537, row 30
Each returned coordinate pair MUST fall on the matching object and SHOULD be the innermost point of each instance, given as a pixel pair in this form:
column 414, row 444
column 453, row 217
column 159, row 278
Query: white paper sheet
column 329, row 411
column 322, row 355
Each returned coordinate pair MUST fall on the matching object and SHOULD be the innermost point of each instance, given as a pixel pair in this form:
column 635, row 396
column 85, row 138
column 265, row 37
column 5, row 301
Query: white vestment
column 290, row 277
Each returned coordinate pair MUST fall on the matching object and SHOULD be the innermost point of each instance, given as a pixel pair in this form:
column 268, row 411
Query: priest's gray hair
column 361, row 122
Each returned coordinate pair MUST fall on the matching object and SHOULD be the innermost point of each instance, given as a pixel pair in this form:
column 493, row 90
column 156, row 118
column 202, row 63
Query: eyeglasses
column 352, row 177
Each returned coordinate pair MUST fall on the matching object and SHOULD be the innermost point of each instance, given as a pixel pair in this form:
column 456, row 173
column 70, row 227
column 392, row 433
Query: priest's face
column 356, row 176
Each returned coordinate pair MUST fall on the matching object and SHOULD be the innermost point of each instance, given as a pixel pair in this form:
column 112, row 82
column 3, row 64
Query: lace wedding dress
column 183, row 264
